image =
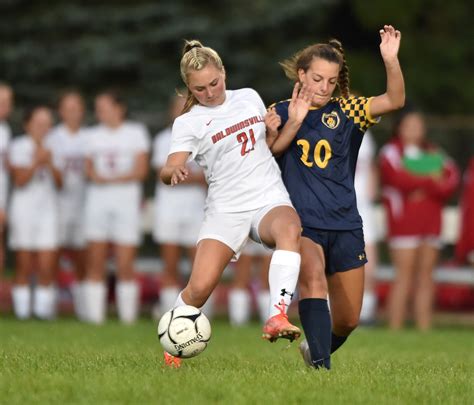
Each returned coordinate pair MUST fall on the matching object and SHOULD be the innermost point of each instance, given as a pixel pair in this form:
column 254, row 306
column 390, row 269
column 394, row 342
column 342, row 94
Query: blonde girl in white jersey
column 69, row 142
column 224, row 132
column 116, row 164
column 6, row 104
column 33, row 215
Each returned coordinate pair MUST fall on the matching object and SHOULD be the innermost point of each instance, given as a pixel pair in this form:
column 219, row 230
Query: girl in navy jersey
column 224, row 132
column 317, row 144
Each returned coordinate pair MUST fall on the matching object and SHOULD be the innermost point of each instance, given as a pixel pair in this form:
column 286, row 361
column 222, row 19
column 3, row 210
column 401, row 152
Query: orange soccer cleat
column 278, row 326
column 171, row 361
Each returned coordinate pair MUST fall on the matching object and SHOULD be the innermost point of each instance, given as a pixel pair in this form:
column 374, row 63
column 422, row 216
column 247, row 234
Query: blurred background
column 136, row 45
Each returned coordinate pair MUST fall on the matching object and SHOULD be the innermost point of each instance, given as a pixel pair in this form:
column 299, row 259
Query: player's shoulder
column 21, row 142
column 245, row 92
column 134, row 126
column 280, row 105
column 357, row 110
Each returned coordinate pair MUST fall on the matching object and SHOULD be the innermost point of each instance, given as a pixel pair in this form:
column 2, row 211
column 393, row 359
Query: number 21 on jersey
column 243, row 138
column 318, row 158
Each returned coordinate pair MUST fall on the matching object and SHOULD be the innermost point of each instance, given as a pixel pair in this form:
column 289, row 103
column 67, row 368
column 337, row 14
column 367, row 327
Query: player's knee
column 312, row 284
column 346, row 326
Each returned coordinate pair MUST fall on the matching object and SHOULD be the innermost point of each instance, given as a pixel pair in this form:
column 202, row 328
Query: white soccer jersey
column 32, row 211
column 113, row 151
column 228, row 142
column 5, row 135
column 69, row 151
column 364, row 169
column 184, row 199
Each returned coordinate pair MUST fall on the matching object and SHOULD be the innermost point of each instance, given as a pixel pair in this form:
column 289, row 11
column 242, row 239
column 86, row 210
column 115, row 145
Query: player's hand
column 300, row 103
column 43, row 156
column 179, row 174
column 389, row 42
column 272, row 121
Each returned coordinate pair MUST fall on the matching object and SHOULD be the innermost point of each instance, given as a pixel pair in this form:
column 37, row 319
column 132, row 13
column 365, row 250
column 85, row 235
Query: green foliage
column 135, row 45
column 68, row 362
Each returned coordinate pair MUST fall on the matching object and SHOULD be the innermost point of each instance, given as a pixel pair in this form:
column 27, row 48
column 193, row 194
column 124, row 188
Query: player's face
column 321, row 78
column 71, row 110
column 40, row 123
column 207, row 85
column 108, row 112
column 412, row 129
column 6, row 102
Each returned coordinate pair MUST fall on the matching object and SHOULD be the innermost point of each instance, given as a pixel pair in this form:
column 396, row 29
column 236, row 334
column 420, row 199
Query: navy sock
column 337, row 342
column 316, row 321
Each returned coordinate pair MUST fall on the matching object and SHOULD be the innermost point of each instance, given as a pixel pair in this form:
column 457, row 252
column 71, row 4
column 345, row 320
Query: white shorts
column 113, row 217
column 367, row 214
column 33, row 230
column 413, row 242
column 71, row 234
column 234, row 228
column 183, row 230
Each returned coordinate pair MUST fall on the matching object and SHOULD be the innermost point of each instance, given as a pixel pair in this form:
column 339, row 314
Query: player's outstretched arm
column 175, row 171
column 297, row 111
column 394, row 97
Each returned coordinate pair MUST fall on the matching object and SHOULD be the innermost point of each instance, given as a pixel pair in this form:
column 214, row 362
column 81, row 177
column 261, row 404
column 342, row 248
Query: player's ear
column 301, row 75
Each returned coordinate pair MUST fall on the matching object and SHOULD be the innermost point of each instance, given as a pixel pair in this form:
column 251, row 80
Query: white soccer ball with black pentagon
column 184, row 331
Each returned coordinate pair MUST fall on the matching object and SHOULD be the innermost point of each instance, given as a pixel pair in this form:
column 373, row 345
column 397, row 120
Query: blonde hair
column 196, row 57
column 331, row 52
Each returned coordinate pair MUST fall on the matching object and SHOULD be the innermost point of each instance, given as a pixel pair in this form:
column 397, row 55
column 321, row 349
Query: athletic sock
column 168, row 297
column 316, row 321
column 337, row 342
column 369, row 305
column 179, row 301
column 44, row 302
column 21, row 295
column 282, row 277
column 263, row 303
column 127, row 301
column 239, row 306
column 95, row 296
column 77, row 292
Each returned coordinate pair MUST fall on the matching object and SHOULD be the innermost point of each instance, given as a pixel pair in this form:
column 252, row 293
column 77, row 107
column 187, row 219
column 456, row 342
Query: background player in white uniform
column 254, row 256
column 224, row 132
column 116, row 163
column 33, row 215
column 69, row 143
column 365, row 183
column 6, row 104
column 178, row 214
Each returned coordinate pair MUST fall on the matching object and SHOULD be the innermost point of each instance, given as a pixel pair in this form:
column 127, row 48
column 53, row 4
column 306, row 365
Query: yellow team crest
column 331, row 120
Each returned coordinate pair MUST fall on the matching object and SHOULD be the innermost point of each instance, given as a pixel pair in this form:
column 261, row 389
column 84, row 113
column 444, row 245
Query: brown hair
column 331, row 52
column 196, row 57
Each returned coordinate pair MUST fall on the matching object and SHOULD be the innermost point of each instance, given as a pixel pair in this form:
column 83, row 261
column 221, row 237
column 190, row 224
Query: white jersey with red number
column 5, row 135
column 69, row 151
column 228, row 142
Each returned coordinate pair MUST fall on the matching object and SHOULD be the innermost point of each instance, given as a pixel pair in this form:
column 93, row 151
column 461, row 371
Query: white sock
column 263, row 303
column 179, row 301
column 44, row 301
column 168, row 298
column 21, row 295
column 239, row 306
column 77, row 292
column 94, row 294
column 208, row 307
column 369, row 305
column 127, row 300
column 282, row 278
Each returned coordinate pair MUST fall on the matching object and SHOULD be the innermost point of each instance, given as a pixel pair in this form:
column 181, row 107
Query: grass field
column 67, row 362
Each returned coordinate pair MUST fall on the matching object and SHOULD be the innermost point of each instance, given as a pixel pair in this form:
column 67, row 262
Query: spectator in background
column 465, row 245
column 69, row 142
column 240, row 300
column 417, row 179
column 366, row 185
column 116, row 164
column 179, row 212
column 33, row 215
column 6, row 104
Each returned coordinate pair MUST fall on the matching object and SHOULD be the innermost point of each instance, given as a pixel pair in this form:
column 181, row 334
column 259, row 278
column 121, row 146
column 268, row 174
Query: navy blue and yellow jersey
column 319, row 165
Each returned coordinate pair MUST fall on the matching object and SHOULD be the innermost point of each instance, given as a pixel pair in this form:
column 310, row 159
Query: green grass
column 67, row 362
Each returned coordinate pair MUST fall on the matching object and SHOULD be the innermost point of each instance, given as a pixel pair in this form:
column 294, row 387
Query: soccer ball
column 184, row 331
